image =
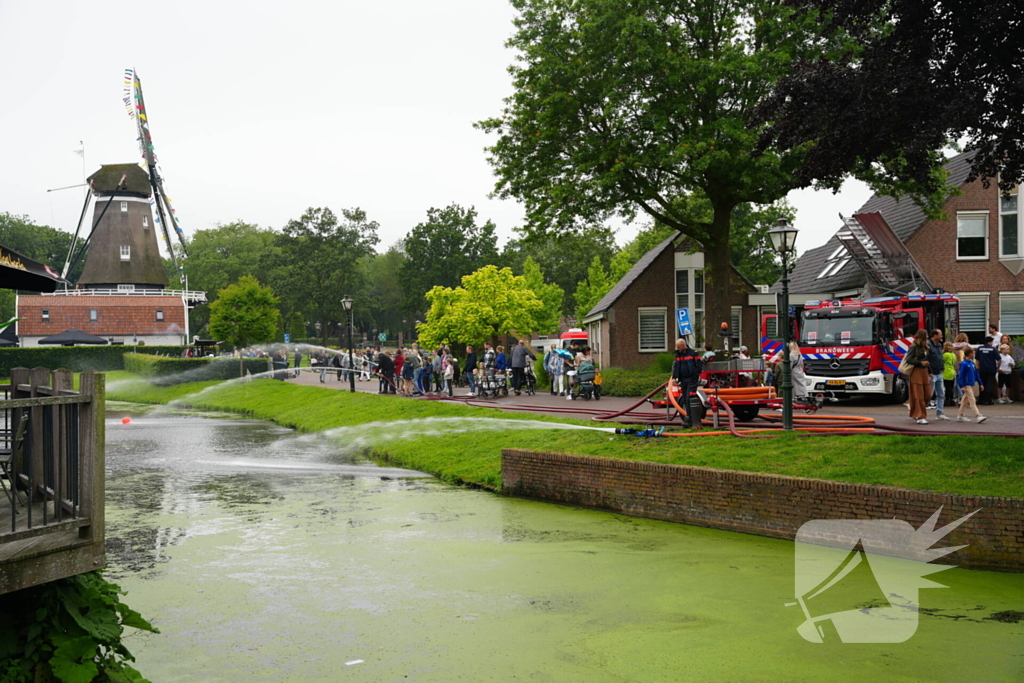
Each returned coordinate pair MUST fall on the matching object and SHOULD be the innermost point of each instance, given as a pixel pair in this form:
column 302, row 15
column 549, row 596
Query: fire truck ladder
column 882, row 256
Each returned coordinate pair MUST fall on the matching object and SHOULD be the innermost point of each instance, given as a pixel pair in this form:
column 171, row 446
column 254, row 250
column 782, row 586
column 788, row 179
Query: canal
column 264, row 556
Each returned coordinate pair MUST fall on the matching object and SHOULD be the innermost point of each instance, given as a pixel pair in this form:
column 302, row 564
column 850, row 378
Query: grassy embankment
column 956, row 464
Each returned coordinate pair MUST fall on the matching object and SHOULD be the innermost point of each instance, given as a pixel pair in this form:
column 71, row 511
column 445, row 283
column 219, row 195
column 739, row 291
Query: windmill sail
column 165, row 212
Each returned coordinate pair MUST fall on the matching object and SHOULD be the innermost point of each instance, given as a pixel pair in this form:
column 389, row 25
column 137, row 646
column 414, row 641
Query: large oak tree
column 622, row 107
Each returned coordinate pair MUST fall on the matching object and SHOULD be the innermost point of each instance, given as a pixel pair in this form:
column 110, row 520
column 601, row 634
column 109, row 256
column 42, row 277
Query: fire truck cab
column 854, row 346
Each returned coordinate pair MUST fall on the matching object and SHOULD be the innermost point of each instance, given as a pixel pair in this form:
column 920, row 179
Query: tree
column 442, row 249
column 317, row 262
column 622, row 107
column 490, row 302
column 244, row 314
column 382, row 296
column 563, row 257
column 551, row 295
column 222, row 255
column 591, row 290
column 918, row 75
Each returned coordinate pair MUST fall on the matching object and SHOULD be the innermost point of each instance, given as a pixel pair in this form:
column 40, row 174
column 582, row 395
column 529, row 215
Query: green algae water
column 264, row 557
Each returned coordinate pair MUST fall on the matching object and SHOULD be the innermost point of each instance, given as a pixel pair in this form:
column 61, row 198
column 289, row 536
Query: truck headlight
column 870, row 381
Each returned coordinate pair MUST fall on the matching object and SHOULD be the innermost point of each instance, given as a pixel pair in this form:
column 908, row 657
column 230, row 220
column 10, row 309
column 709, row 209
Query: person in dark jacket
column 470, row 370
column 988, row 366
column 686, row 372
column 935, row 368
column 386, row 372
column 518, row 364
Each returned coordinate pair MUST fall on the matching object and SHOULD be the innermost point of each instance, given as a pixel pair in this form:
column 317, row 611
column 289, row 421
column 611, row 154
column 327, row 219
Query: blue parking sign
column 287, row 338
column 683, row 318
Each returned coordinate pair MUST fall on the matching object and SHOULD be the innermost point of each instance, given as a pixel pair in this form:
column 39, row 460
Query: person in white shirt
column 1005, row 373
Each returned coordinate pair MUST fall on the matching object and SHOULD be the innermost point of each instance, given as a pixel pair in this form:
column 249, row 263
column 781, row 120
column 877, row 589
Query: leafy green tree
column 622, row 107
column 551, row 295
column 563, row 257
column 442, row 249
column 317, row 261
column 244, row 313
column 222, row 255
column 590, row 291
column 490, row 302
column 382, row 296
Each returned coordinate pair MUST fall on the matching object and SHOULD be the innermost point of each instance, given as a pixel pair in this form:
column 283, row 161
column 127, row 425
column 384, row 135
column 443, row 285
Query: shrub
column 168, row 371
column 76, row 358
column 619, row 382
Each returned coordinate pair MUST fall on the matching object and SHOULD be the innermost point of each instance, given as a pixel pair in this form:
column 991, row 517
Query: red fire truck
column 854, row 346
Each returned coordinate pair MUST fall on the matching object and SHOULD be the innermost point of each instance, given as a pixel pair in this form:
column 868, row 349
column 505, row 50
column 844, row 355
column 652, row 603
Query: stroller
column 491, row 385
column 584, row 386
column 529, row 380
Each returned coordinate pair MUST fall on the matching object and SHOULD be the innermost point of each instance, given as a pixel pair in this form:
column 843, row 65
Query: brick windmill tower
column 123, row 294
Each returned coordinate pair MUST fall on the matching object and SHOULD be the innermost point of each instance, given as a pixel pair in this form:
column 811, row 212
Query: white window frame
column 126, row 288
column 1003, row 327
column 1015, row 193
column 126, row 252
column 652, row 310
column 94, row 315
column 974, row 295
column 988, row 227
column 124, row 207
column 736, row 332
column 696, row 313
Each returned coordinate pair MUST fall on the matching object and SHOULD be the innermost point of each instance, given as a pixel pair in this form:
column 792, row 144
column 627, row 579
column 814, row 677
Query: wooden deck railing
column 51, row 476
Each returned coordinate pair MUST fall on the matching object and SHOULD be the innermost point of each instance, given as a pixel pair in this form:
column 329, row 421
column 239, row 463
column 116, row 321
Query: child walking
column 1005, row 373
column 949, row 372
column 969, row 380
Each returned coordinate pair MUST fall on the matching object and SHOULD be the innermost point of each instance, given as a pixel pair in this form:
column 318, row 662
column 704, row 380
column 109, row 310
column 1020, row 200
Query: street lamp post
column 783, row 237
column 346, row 303
column 317, row 326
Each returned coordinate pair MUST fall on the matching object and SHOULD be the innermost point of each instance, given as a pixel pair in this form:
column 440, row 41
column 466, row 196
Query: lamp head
column 783, row 237
column 346, row 303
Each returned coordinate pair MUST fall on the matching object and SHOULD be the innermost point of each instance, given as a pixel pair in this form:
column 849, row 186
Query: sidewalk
column 1006, row 419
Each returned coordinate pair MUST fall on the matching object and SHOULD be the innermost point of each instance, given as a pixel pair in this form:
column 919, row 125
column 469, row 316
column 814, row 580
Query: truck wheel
column 900, row 390
column 745, row 413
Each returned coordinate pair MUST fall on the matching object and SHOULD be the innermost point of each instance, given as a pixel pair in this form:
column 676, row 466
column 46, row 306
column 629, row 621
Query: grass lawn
column 975, row 465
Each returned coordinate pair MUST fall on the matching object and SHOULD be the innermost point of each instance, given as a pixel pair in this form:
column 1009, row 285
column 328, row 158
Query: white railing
column 188, row 294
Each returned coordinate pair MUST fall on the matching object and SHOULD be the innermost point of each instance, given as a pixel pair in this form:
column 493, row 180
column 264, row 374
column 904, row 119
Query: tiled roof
column 902, row 215
column 116, row 315
column 622, row 285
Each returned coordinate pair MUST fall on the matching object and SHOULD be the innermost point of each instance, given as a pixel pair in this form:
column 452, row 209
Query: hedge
column 619, row 382
column 77, row 358
column 167, row 371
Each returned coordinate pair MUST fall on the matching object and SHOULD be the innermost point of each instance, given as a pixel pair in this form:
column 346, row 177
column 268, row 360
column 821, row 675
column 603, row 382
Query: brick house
column 154, row 320
column 636, row 319
column 975, row 252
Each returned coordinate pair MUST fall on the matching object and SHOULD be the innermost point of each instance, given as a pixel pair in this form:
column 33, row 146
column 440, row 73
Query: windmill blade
column 155, row 181
column 74, row 240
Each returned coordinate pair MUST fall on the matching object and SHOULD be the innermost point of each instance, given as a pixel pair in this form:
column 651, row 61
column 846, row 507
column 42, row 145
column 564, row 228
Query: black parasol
column 72, row 337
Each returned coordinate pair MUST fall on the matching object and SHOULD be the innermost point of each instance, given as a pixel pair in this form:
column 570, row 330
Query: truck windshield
column 834, row 330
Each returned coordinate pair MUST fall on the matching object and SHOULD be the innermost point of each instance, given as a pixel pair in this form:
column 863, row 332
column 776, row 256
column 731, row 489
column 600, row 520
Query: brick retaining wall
column 762, row 504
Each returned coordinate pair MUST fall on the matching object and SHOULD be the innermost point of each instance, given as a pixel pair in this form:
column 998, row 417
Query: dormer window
column 124, row 207
column 159, row 315
column 126, row 252
column 46, row 315
column 94, row 315
column 835, row 263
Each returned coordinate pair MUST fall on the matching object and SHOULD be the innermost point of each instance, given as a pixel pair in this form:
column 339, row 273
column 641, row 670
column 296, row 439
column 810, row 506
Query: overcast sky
column 259, row 110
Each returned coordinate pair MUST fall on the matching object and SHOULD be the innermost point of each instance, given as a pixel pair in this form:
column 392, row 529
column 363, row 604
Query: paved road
column 1007, row 419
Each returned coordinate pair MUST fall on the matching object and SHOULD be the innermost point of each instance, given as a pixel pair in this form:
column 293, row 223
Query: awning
column 72, row 337
column 21, row 272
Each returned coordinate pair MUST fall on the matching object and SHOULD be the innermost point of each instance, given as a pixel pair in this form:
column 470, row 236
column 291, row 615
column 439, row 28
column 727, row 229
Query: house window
column 126, row 252
column 972, row 236
column 145, row 222
column 159, row 315
column 94, row 315
column 690, row 294
column 974, row 316
column 1011, row 313
column 46, row 315
column 124, row 207
column 736, row 326
column 126, row 288
column 653, row 329
column 1009, row 226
